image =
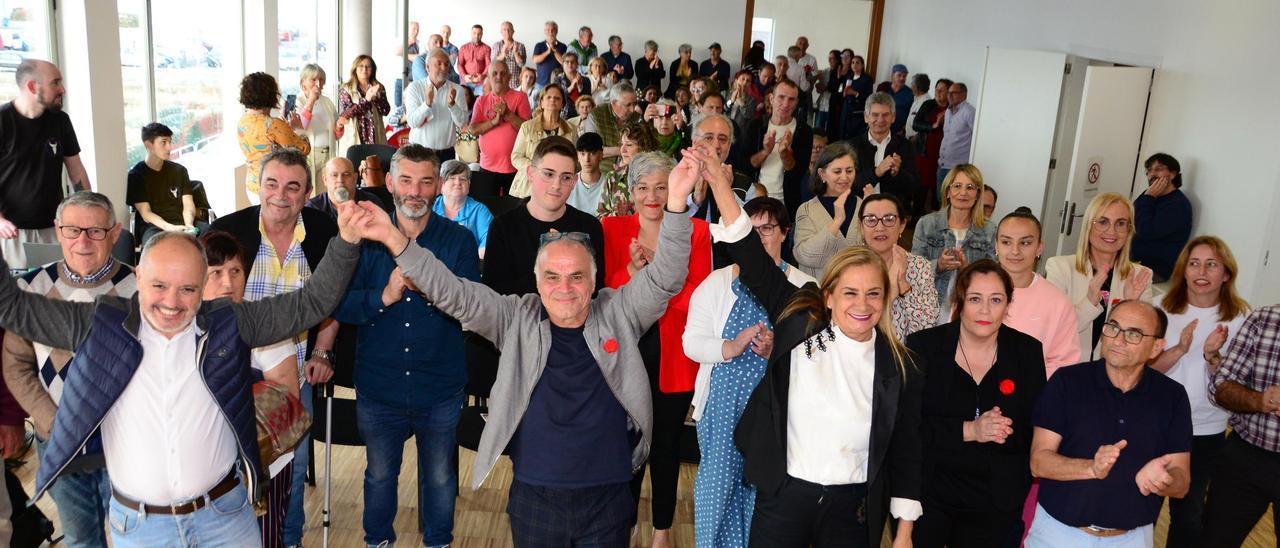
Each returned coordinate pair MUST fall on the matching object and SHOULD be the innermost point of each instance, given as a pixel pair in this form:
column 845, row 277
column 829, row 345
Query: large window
column 308, row 34
column 173, row 73
column 24, row 32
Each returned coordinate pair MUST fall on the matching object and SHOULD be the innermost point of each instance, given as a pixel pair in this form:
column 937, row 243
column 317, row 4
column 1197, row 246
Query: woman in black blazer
column 982, row 379
column 846, row 420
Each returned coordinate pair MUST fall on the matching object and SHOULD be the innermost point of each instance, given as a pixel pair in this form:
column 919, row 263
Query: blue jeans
column 82, row 499
column 1047, row 532
column 295, row 517
column 385, row 428
column 225, row 521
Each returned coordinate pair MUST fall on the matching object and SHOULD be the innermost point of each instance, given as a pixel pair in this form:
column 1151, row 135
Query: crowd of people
column 731, row 247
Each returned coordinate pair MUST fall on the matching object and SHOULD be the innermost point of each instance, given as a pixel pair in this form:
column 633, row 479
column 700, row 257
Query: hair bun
column 1023, row 209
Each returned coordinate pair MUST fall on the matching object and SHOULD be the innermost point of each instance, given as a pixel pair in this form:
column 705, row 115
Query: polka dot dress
column 722, row 499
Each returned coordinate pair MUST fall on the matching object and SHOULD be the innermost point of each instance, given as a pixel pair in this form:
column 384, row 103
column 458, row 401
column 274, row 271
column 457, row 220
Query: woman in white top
column 833, row 429
column 277, row 363
column 828, row 222
column 1038, row 307
column 1100, row 273
column 1206, row 312
column 319, row 116
column 728, row 333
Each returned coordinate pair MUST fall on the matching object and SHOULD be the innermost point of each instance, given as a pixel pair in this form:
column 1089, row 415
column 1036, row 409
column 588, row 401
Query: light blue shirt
column 473, row 215
column 957, row 136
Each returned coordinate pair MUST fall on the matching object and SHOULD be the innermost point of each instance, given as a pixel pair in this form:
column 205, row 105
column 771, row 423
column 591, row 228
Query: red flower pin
column 1006, row 387
column 611, row 346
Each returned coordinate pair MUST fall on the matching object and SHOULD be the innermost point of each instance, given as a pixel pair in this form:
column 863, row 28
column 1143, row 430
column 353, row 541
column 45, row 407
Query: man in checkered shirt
column 86, row 229
column 1247, row 476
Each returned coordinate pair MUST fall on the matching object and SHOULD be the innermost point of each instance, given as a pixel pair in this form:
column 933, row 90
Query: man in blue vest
column 167, row 380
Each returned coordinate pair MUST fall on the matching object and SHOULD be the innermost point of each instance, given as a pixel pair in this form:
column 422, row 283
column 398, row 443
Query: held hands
column 1105, row 458
column 1138, row 283
column 992, row 426
column 358, row 220
column 1154, row 477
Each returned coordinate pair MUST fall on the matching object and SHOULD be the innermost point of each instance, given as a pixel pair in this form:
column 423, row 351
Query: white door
column 1113, row 110
column 1017, row 112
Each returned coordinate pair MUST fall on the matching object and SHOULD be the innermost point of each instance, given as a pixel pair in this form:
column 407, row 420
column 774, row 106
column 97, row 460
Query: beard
column 408, row 211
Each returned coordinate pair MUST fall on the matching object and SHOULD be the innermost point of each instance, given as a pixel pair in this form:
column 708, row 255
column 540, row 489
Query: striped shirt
column 272, row 276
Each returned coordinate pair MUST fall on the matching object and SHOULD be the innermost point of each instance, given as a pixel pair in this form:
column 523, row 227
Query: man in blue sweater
column 1162, row 217
column 410, row 365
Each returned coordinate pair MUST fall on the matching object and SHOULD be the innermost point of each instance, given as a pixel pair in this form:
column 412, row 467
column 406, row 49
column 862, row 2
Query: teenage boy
column 159, row 189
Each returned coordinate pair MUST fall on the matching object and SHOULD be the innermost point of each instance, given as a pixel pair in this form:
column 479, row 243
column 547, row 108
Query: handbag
column 282, row 420
column 467, row 146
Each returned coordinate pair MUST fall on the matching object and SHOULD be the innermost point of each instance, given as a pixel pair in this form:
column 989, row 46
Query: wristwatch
column 325, row 355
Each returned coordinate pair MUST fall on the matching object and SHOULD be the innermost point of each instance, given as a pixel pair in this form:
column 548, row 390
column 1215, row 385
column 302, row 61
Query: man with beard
column 410, row 364
column 36, row 140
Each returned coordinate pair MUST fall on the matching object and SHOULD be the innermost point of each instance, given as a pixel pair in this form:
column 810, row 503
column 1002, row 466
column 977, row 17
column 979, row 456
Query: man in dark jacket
column 885, row 159
column 778, row 146
column 167, row 380
column 1162, row 217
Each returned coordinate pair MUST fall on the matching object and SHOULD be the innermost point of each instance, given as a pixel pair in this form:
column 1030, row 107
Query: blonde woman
column 598, row 76
column 363, row 102
column 1100, row 273
column 546, row 122
column 816, row 459
column 319, row 117
column 957, row 234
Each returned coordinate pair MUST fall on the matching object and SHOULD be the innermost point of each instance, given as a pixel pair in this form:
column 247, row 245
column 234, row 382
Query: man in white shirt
column 435, row 107
column 802, row 69
column 166, row 380
column 957, row 132
column 920, row 88
column 779, row 146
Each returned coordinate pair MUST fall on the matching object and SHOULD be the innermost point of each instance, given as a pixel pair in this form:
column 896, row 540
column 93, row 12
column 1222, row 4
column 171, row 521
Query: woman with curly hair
column 258, row 133
column 635, row 137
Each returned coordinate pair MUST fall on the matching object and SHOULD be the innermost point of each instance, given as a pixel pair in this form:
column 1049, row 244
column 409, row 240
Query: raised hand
column 681, row 181
column 394, row 290
column 868, row 189
column 1105, row 458
column 1184, row 338
column 453, row 95
column 1137, row 283
column 992, row 426
column 431, row 94
column 351, row 221
column 1154, row 477
column 837, row 219
column 1217, row 339
column 1095, row 284
column 770, row 139
column 898, row 272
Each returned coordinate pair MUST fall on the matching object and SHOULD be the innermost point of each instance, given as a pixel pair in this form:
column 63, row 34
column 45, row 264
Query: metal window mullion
column 150, row 84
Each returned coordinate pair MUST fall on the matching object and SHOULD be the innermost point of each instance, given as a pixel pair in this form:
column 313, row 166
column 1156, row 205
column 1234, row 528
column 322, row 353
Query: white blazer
column 1061, row 271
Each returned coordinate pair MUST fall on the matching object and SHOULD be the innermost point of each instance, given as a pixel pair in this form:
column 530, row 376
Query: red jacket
column 676, row 373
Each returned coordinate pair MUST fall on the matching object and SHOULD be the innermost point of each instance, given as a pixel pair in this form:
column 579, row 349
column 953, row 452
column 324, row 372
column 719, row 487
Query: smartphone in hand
column 290, row 103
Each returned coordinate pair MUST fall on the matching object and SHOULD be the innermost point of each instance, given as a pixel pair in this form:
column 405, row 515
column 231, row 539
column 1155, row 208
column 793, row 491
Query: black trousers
column 490, row 183
column 804, row 514
column 547, row 517
column 941, row 526
column 669, row 412
column 1245, row 481
column 1186, row 515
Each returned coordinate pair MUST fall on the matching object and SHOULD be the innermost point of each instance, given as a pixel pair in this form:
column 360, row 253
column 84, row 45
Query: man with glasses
column 35, row 373
column 36, row 141
column 1112, row 439
column 571, row 401
column 410, row 364
column 957, row 132
column 513, row 236
column 886, row 159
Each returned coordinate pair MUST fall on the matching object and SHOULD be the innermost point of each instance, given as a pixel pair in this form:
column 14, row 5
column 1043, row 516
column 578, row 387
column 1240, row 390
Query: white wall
column 1210, row 57
column 828, row 24
column 667, row 22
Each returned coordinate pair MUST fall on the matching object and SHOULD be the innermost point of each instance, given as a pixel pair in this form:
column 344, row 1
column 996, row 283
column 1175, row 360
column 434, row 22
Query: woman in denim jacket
column 957, row 234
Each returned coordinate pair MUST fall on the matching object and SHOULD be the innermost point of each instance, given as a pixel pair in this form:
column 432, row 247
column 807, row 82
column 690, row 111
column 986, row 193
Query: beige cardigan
column 1061, row 271
column 530, row 134
column 814, row 243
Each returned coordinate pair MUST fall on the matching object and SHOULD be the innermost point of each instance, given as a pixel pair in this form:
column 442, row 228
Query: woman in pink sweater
column 1038, row 307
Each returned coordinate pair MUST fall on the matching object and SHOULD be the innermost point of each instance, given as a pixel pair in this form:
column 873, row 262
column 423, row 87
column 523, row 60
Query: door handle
column 1071, row 218
column 1062, row 217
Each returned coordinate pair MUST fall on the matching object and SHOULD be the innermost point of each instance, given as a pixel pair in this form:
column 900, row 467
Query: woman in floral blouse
column 363, row 102
column 615, row 199
column 258, row 133
column 915, row 301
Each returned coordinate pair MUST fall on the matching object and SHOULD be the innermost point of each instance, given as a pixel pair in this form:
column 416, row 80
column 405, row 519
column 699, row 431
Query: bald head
column 171, row 279
column 339, row 173
column 39, row 85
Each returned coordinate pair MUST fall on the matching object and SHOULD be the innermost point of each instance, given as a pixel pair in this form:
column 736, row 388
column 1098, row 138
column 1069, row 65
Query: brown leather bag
column 282, row 420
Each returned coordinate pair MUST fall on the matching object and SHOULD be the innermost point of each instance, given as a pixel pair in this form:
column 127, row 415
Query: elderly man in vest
column 166, row 379
column 86, row 227
column 608, row 119
column 571, row 400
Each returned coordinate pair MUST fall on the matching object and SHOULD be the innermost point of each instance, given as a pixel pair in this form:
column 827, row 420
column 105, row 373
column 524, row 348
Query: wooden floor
column 480, row 518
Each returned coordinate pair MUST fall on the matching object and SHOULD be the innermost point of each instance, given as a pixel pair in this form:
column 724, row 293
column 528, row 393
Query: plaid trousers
column 598, row 516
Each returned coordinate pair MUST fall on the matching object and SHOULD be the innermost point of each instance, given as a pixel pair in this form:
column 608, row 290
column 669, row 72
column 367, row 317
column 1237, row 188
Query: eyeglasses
column 871, row 221
column 1112, row 329
column 580, row 237
column 766, row 230
column 71, row 232
column 1104, row 224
